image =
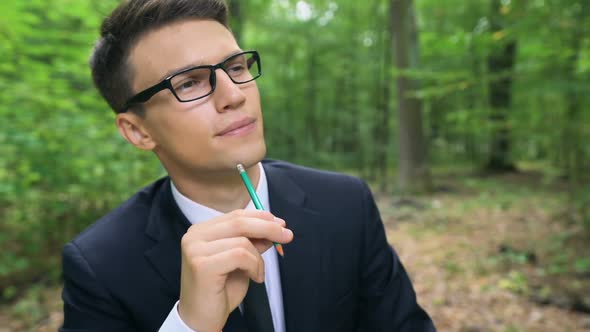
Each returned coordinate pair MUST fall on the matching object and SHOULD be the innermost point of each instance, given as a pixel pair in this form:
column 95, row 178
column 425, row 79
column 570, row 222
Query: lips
column 237, row 126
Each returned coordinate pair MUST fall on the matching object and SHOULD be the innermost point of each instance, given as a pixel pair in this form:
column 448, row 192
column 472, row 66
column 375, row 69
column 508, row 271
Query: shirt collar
column 197, row 213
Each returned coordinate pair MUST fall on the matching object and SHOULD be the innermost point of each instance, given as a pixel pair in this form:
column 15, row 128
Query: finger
column 256, row 246
column 282, row 222
column 228, row 261
column 192, row 248
column 253, row 228
column 202, row 228
column 261, row 245
column 217, row 246
column 260, row 214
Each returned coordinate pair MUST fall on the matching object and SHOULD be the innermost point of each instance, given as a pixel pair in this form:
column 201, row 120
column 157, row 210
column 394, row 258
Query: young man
column 189, row 252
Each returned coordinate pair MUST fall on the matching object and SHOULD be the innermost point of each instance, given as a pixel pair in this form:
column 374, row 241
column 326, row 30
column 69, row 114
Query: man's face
column 210, row 134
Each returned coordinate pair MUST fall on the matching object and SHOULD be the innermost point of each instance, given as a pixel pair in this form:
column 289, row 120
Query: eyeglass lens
column 196, row 83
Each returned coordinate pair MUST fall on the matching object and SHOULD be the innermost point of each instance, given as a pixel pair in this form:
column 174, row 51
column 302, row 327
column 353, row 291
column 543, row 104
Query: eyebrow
column 193, row 65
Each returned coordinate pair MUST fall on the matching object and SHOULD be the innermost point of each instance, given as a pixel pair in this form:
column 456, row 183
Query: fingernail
column 281, row 221
column 287, row 233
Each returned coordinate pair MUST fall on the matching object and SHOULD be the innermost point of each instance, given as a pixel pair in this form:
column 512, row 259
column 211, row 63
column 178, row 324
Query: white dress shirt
column 197, row 213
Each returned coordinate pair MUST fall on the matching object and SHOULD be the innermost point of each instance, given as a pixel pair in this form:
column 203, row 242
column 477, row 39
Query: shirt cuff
column 174, row 323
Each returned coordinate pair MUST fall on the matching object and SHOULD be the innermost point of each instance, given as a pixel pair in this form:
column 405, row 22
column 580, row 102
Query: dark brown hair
column 111, row 71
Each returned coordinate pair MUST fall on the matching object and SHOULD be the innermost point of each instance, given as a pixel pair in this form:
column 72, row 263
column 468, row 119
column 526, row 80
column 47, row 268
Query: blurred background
column 469, row 119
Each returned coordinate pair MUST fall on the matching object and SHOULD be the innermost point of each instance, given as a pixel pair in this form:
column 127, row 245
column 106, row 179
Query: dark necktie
column 257, row 310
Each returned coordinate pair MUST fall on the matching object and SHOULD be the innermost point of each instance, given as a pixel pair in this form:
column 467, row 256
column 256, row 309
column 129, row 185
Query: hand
column 219, row 257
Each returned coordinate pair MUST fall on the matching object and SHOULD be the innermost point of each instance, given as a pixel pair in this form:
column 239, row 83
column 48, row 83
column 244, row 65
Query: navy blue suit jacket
column 339, row 273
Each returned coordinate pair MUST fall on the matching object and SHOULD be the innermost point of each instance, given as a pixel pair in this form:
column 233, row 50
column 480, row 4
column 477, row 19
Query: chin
column 250, row 155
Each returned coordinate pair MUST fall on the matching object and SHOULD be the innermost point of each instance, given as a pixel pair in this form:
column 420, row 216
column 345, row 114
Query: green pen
column 256, row 200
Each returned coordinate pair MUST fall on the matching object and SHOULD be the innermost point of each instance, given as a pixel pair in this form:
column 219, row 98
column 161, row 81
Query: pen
column 256, row 200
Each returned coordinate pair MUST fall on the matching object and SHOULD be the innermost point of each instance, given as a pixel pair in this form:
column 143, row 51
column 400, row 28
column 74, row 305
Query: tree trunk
column 500, row 63
column 236, row 20
column 413, row 170
column 572, row 132
column 381, row 136
column 309, row 111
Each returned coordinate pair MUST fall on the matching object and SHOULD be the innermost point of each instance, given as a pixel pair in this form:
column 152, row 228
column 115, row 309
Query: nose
column 228, row 95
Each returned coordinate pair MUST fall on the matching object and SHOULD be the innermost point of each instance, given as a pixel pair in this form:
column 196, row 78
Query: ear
column 133, row 130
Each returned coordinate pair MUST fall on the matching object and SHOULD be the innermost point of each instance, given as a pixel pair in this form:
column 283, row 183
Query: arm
column 388, row 298
column 88, row 306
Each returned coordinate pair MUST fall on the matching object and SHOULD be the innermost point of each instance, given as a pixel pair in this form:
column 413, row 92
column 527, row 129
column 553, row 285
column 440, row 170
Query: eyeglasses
column 199, row 82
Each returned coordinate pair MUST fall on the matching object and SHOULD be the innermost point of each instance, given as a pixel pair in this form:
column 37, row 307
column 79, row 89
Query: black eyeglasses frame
column 148, row 93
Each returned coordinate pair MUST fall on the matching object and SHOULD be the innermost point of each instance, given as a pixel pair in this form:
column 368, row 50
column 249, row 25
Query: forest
column 467, row 118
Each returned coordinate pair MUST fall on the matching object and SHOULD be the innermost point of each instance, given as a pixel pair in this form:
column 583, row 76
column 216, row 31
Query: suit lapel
column 166, row 225
column 300, row 268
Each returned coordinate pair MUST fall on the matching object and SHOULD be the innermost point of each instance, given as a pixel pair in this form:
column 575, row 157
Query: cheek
column 250, row 91
column 253, row 95
column 184, row 128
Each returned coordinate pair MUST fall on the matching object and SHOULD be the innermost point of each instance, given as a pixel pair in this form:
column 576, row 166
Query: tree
column 413, row 170
column 573, row 153
column 500, row 66
column 383, row 107
column 236, row 19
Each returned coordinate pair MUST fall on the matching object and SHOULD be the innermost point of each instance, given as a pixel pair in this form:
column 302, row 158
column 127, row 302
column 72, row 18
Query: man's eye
column 188, row 84
column 236, row 68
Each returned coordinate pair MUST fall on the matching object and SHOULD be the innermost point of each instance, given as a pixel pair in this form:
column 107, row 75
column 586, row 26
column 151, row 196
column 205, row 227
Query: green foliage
column 514, row 281
column 582, row 265
column 581, row 205
column 27, row 308
column 325, row 63
column 56, row 136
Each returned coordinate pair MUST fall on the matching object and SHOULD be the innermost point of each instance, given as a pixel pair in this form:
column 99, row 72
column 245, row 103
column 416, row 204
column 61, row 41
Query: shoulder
column 117, row 227
column 324, row 190
column 312, row 177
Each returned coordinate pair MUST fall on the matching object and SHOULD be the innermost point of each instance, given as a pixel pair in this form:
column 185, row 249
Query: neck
column 223, row 191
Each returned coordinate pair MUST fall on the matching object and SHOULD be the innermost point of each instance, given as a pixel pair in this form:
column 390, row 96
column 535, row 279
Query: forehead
column 177, row 45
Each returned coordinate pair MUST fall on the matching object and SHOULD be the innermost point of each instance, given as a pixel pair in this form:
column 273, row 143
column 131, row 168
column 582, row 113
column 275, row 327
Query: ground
column 495, row 253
